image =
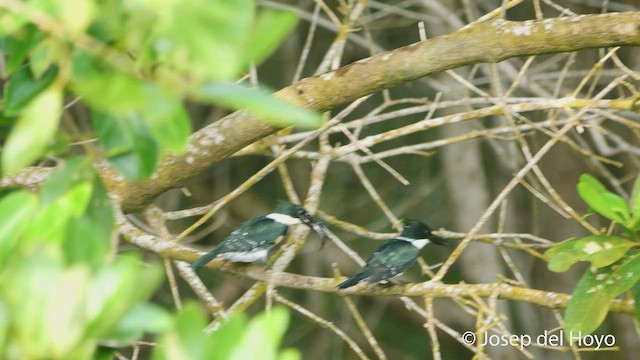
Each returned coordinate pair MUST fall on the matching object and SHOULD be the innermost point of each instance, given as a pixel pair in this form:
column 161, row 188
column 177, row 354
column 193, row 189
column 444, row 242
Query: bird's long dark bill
column 316, row 225
column 438, row 240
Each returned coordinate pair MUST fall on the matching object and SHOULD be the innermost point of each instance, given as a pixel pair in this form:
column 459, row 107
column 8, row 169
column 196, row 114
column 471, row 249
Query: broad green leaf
column 76, row 14
column 272, row 110
column 64, row 195
column 143, row 318
column 4, row 326
column 188, row 340
column 16, row 213
column 60, row 181
column 116, row 289
column 65, row 313
column 235, row 339
column 11, row 22
column 602, row 201
column 593, row 183
column 190, row 323
column 78, row 197
column 47, row 306
column 600, row 250
column 618, row 205
column 128, row 144
column 592, row 297
column 228, row 337
column 105, row 353
column 105, row 89
column 205, row 38
column 37, row 125
column 263, row 336
column 18, row 46
column 34, row 278
column 290, row 354
column 166, row 117
column 23, row 87
column 269, row 29
column 89, row 238
column 43, row 55
column 635, row 206
column 635, row 289
column 49, row 225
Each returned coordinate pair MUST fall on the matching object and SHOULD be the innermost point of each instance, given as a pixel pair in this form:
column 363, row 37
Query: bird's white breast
column 284, row 219
column 246, row 257
column 418, row 243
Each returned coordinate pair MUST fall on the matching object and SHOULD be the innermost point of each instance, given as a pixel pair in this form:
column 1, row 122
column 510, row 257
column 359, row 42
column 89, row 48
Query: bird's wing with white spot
column 255, row 233
column 392, row 258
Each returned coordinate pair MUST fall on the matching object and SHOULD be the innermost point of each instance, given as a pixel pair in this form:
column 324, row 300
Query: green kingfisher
column 396, row 255
column 255, row 237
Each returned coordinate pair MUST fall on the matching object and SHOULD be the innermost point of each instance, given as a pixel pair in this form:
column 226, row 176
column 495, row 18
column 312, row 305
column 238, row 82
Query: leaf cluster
column 614, row 260
column 133, row 67
column 64, row 296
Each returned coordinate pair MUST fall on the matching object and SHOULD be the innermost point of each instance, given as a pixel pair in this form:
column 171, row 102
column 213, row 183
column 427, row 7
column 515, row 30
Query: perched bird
column 254, row 238
column 396, row 255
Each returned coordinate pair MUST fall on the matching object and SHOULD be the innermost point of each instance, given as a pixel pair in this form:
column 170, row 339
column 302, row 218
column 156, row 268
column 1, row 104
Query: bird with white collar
column 396, row 255
column 254, row 238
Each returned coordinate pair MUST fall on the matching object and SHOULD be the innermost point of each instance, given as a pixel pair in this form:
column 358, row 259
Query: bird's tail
column 205, row 259
column 352, row 281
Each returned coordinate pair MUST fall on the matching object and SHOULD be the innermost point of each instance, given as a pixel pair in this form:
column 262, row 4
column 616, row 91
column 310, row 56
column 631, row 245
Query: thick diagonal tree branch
column 491, row 41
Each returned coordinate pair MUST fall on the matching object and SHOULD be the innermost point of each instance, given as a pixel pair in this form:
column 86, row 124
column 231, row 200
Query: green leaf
column 4, row 326
column 205, row 38
column 235, row 339
column 105, row 353
column 31, row 134
column 11, row 22
column 128, row 144
column 103, row 88
column 65, row 317
column 190, row 323
column 43, row 55
column 23, row 87
column 600, row 250
column 270, row 109
column 592, row 297
column 602, row 201
column 635, row 289
column 263, row 336
column 58, row 183
column 166, row 117
column 18, row 46
column 51, row 224
column 89, row 238
column 228, row 337
column 26, row 293
column 116, row 289
column 47, row 306
column 188, row 340
column 290, row 354
column 143, row 318
column 16, row 213
column 76, row 14
column 269, row 29
column 635, row 206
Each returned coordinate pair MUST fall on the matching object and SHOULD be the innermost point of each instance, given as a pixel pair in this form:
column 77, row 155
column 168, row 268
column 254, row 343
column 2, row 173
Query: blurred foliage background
column 98, row 94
